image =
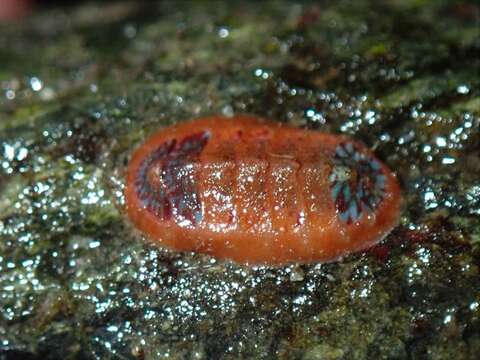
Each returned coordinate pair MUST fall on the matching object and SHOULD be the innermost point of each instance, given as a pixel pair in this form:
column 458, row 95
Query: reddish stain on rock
column 259, row 192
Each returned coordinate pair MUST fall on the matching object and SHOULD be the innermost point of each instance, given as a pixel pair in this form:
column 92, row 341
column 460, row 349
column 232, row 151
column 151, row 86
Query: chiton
column 259, row 192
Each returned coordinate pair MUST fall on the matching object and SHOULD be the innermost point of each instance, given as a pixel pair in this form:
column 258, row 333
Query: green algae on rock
column 76, row 282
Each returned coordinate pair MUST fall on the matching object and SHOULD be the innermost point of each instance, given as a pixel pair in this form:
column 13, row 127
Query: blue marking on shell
column 363, row 190
column 336, row 190
column 198, row 217
column 381, row 180
column 353, row 211
column 344, row 216
column 349, row 148
column 375, row 165
column 346, row 193
column 360, row 192
column 340, row 152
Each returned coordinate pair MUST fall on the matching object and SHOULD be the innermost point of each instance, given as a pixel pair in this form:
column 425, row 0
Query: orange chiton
column 259, row 192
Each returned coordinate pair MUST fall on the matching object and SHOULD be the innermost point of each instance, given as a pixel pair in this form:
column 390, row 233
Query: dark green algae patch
column 81, row 87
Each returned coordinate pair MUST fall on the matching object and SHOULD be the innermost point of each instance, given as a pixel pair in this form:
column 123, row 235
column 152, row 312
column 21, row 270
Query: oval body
column 259, row 192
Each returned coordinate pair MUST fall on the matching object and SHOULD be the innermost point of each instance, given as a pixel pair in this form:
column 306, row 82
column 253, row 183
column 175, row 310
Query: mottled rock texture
column 81, row 87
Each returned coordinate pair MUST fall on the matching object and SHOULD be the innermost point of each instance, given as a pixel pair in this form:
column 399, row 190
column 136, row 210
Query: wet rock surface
column 81, row 87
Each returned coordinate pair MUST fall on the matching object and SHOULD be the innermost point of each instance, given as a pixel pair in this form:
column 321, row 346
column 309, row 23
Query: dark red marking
column 165, row 181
